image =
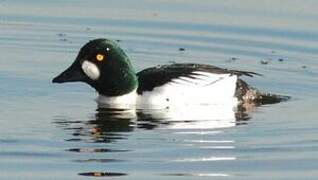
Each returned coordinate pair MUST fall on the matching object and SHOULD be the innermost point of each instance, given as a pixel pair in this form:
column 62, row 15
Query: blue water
column 56, row 132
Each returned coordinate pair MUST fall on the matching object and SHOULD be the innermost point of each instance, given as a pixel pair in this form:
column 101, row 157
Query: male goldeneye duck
column 102, row 64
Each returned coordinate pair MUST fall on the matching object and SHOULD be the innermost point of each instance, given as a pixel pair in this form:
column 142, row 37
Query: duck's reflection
column 192, row 117
column 106, row 126
column 108, row 129
column 109, row 125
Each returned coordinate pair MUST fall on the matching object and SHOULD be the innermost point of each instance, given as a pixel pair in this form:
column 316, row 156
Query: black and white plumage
column 191, row 83
column 176, row 84
column 195, row 74
column 102, row 64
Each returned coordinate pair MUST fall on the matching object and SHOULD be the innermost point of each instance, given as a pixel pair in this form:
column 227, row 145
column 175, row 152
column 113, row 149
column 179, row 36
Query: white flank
column 202, row 89
column 91, row 70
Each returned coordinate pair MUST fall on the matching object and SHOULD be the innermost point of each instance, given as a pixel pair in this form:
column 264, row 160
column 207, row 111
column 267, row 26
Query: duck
column 103, row 64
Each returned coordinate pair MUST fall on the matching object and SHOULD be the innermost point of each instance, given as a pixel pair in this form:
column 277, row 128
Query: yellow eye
column 100, row 57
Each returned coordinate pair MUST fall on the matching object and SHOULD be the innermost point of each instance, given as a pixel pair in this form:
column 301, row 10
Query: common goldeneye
column 102, row 64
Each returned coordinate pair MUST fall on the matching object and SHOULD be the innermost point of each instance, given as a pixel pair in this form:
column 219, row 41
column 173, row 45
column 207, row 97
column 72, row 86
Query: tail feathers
column 259, row 98
column 251, row 95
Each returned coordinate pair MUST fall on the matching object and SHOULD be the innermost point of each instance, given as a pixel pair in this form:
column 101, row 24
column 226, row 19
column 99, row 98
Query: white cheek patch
column 91, row 70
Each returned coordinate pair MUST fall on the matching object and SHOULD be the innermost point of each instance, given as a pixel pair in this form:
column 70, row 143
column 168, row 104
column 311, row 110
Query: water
column 55, row 132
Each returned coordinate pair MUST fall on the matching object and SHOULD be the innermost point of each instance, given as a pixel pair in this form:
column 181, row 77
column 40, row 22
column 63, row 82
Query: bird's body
column 102, row 64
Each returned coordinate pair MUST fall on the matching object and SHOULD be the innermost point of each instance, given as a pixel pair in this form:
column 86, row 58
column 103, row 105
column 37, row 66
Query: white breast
column 126, row 101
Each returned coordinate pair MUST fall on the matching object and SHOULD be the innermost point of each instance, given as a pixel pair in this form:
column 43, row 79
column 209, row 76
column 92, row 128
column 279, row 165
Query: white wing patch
column 198, row 88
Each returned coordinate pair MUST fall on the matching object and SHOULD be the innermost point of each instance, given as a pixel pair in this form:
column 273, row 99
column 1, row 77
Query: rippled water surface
column 56, row 132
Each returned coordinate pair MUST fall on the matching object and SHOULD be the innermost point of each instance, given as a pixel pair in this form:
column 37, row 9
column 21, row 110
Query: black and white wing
column 199, row 82
column 199, row 75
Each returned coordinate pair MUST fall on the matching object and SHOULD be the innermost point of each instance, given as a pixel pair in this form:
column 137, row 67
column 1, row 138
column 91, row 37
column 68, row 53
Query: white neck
column 124, row 101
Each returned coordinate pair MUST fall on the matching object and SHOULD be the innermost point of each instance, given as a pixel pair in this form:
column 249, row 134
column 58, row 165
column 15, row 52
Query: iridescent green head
column 102, row 64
